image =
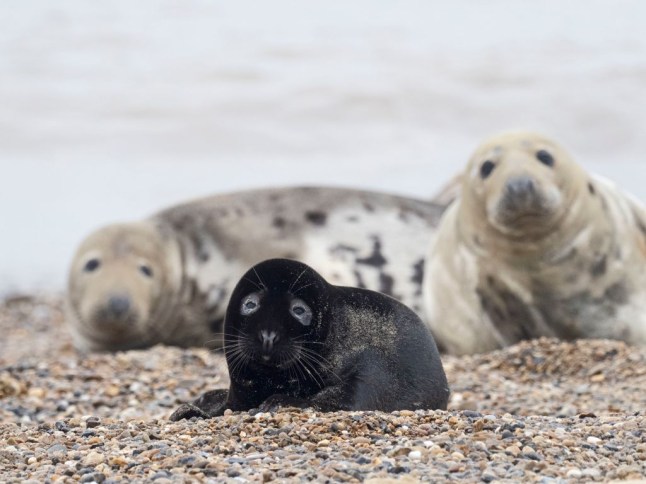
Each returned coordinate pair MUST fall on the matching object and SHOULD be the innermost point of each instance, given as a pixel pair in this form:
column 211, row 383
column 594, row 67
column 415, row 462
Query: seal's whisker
column 296, row 280
column 318, row 378
column 239, row 361
column 314, row 354
column 297, row 366
column 304, row 340
column 259, row 287
column 323, row 362
column 303, row 287
column 259, row 278
column 292, row 373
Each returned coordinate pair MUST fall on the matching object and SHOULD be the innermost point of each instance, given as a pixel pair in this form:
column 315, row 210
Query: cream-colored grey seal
column 534, row 246
column 167, row 279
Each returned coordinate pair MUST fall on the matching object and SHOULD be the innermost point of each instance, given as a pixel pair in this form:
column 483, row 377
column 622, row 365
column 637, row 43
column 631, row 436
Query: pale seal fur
column 534, row 246
column 167, row 279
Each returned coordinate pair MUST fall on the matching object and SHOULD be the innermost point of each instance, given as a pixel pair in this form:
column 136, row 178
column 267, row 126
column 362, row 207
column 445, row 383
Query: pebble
column 574, row 473
column 57, row 450
column 92, row 422
column 93, row 459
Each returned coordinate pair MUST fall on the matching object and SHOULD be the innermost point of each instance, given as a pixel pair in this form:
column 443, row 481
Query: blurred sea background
column 110, row 111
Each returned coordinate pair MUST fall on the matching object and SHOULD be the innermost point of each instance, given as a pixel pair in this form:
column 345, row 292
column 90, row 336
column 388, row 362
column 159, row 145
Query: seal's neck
column 164, row 313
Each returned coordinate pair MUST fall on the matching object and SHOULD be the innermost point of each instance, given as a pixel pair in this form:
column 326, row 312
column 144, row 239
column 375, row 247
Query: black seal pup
column 293, row 339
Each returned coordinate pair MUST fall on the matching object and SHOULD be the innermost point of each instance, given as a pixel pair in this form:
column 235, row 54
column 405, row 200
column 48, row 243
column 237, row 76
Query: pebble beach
column 541, row 411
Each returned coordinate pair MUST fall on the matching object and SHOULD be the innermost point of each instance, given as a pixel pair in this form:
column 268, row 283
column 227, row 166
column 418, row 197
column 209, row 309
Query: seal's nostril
column 520, row 185
column 268, row 339
column 119, row 305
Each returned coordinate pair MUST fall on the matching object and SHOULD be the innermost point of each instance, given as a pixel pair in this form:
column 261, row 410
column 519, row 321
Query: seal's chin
column 107, row 321
column 520, row 219
column 116, row 335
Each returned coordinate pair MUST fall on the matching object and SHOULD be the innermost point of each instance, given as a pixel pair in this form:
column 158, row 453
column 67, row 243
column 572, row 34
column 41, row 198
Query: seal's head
column 521, row 183
column 275, row 318
column 116, row 286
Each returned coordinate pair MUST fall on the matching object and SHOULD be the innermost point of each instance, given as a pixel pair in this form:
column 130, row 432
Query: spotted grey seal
column 535, row 246
column 293, row 339
column 167, row 279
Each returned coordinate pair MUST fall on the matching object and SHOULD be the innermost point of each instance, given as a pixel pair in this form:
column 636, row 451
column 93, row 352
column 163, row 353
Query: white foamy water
column 112, row 110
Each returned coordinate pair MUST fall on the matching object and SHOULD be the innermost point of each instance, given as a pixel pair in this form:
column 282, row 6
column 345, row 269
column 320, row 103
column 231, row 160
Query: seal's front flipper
column 186, row 411
column 277, row 401
column 208, row 405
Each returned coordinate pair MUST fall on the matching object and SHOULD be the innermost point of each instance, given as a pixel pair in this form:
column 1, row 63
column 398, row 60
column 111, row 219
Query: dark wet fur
column 363, row 351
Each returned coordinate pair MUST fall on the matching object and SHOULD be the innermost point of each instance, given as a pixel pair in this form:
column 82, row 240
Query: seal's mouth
column 106, row 319
column 115, row 336
column 519, row 219
column 523, row 203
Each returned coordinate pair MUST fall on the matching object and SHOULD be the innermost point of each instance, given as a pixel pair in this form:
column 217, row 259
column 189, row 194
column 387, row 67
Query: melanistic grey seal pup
column 535, row 246
column 167, row 279
column 292, row 339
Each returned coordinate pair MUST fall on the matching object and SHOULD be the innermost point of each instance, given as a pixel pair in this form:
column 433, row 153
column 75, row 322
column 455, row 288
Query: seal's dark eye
column 146, row 270
column 545, row 157
column 301, row 312
column 486, row 168
column 250, row 304
column 92, row 265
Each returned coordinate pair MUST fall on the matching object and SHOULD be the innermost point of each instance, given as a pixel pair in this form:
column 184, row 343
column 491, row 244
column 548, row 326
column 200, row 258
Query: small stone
column 93, row 477
column 57, row 450
column 574, row 473
column 36, row 392
column 472, row 414
column 62, row 405
column 436, row 450
column 112, row 390
column 513, row 450
column 592, row 473
column 528, row 450
column 62, row 426
column 489, row 475
column 593, row 440
column 93, row 459
column 415, row 454
column 92, row 422
column 118, row 461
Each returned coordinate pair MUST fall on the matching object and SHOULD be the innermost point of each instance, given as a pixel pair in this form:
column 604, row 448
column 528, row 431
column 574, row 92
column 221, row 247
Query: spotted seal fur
column 167, row 279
